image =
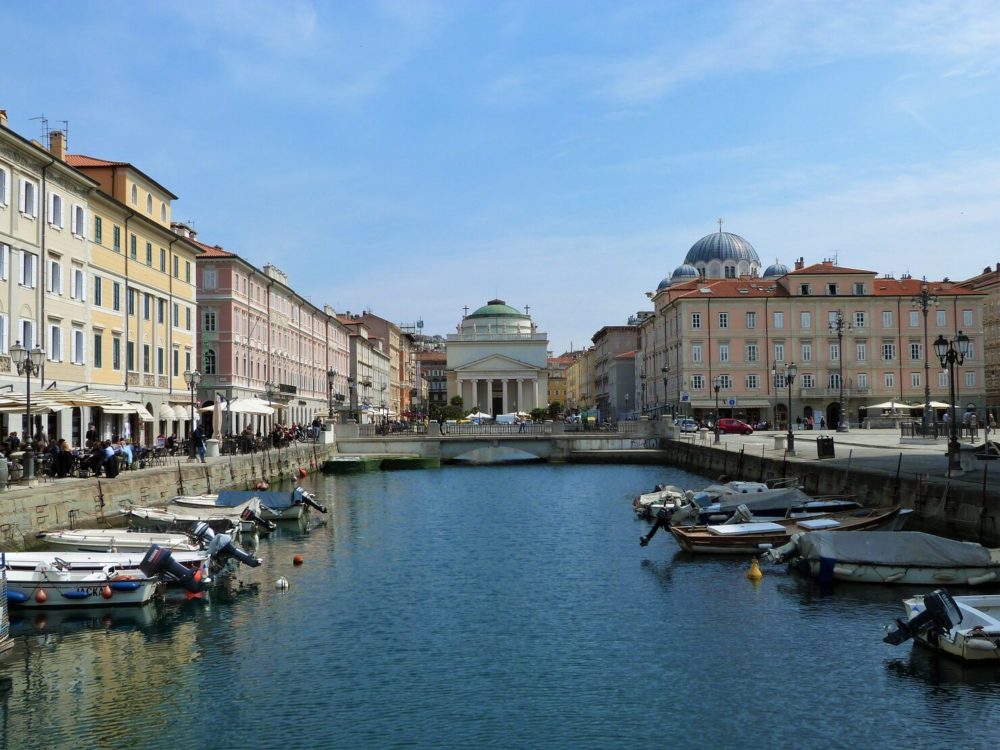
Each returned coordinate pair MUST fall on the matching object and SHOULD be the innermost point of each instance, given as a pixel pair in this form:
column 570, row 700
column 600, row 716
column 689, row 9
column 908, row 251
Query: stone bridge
column 549, row 442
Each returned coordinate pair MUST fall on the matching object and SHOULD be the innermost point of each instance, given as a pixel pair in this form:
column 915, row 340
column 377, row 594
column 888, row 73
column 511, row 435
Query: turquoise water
column 506, row 607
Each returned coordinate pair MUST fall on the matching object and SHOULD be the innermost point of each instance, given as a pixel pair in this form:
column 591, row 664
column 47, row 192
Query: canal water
column 500, row 607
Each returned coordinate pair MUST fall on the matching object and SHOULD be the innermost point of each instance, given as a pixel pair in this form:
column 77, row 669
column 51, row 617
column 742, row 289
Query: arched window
column 163, row 212
column 149, row 204
column 135, row 195
column 210, row 362
column 730, row 272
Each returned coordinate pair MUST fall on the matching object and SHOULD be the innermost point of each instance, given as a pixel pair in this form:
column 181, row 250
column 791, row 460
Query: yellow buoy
column 754, row 573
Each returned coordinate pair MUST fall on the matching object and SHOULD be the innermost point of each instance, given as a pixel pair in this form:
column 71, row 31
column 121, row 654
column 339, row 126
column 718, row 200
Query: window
column 4, row 187
column 753, row 382
column 149, row 254
column 752, row 353
column 161, row 310
column 77, row 221
column 29, row 270
column 862, row 380
column 177, row 366
column 859, row 287
column 116, row 238
column 859, row 319
column 98, row 233
column 697, row 382
column 887, row 318
column 972, row 351
column 751, row 320
column 163, row 218
column 807, row 352
column 4, row 333
column 805, row 319
column 915, row 350
column 210, row 278
column 723, row 320
column 116, row 295
column 967, row 318
column 730, row 272
column 27, row 201
column 914, row 318
column 149, row 204
column 210, row 326
column 808, row 381
column 187, row 318
column 55, row 343
column 78, row 291
column 779, row 380
column 177, row 315
column 210, row 362
column 55, row 277
column 861, row 349
column 163, row 260
column 831, row 290
column 723, row 352
column 779, row 352
column 725, row 382
column 696, row 320
column 27, row 333
column 4, row 261
column 779, row 320
column 130, row 296
column 915, row 379
column 147, row 306
column 130, row 355
column 97, row 291
column 78, row 353
column 187, row 271
column 805, row 289
column 145, row 358
column 943, row 379
column 116, row 353
column 187, row 359
column 970, row 379
column 98, row 351
column 159, row 360
column 888, row 351
column 55, row 210
column 834, row 352
column 135, row 195
column 889, row 380
column 133, row 247
column 942, row 318
column 177, row 266
column 833, row 380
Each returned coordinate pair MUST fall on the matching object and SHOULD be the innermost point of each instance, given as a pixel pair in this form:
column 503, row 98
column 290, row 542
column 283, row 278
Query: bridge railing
column 525, row 428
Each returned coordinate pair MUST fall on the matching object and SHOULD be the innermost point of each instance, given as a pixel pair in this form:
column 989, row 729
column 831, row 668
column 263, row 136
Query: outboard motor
column 249, row 515
column 221, row 546
column 742, row 515
column 308, row 498
column 941, row 614
column 159, row 562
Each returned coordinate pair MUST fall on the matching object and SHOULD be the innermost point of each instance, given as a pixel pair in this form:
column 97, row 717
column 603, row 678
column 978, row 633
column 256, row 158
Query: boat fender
column 125, row 585
column 106, row 592
column 71, row 594
column 281, row 583
column 845, row 571
column 895, row 576
column 16, row 597
column 984, row 578
column 41, row 597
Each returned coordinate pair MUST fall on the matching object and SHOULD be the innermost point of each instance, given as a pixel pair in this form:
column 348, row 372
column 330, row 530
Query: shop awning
column 181, row 412
column 143, row 413
column 166, row 412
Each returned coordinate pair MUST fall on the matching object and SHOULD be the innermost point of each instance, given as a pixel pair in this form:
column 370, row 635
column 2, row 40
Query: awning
column 250, row 406
column 167, row 413
column 144, row 415
column 14, row 403
column 181, row 412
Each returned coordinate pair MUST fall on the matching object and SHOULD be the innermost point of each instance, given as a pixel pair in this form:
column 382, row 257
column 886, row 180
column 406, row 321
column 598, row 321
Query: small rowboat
column 751, row 538
column 115, row 540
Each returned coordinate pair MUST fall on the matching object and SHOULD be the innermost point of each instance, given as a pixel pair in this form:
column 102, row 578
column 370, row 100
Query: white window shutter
column 33, row 261
column 21, row 202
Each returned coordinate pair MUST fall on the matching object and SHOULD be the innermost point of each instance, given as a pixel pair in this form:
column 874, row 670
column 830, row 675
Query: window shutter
column 21, row 197
column 33, row 271
column 4, row 262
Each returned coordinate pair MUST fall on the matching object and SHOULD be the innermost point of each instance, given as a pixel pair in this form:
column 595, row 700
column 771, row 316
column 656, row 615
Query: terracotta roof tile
column 81, row 160
column 822, row 268
column 212, row 251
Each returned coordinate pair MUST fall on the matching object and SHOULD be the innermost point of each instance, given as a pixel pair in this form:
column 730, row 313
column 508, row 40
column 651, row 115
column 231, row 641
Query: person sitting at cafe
column 125, row 449
column 110, row 463
column 63, row 461
column 91, row 436
column 171, row 443
column 13, row 442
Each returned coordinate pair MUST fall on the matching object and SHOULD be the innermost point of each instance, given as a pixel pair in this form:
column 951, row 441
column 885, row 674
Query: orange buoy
column 106, row 592
column 41, row 597
column 297, row 560
column 302, row 472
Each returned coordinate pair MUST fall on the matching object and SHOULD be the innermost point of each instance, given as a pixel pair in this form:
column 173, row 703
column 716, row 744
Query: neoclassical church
column 497, row 361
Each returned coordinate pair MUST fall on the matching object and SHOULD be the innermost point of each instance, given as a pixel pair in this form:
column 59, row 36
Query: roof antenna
column 45, row 128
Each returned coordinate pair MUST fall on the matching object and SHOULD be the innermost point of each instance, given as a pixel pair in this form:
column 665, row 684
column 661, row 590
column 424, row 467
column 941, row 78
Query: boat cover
column 777, row 500
column 738, row 529
column 272, row 500
column 894, row 548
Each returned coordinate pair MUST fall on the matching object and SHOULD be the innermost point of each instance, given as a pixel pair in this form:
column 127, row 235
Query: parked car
column 688, row 425
column 734, row 426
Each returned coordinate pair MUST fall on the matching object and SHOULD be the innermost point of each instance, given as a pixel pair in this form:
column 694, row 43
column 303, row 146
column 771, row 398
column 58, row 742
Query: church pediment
column 495, row 363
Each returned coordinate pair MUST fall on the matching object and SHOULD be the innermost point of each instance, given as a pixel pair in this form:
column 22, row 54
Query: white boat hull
column 93, row 561
column 115, row 540
column 52, row 589
column 910, row 575
column 975, row 639
column 202, row 502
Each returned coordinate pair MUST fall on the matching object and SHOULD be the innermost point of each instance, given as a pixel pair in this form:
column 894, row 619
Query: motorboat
column 905, row 557
column 53, row 586
column 755, row 536
column 275, row 506
column 115, row 540
column 669, row 497
column 176, row 517
column 93, row 561
column 966, row 627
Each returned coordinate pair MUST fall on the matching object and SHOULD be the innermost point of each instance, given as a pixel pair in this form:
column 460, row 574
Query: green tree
column 538, row 415
column 555, row 409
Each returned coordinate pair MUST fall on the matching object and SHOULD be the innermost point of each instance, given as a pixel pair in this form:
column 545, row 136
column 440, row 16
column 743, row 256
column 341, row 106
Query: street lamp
column 923, row 302
column 950, row 356
column 839, row 326
column 626, row 406
column 666, row 375
column 789, row 373
column 331, row 377
column 192, row 378
column 270, row 389
column 28, row 364
column 716, row 384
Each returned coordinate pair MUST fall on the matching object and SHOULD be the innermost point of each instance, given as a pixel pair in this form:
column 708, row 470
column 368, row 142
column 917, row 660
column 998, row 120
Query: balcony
column 833, row 392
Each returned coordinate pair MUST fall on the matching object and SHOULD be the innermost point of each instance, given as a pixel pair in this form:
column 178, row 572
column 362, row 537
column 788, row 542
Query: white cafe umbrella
column 478, row 415
column 894, row 405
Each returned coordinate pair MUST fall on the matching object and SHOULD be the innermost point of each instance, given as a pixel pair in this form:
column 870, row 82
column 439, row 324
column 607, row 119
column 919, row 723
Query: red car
column 734, row 426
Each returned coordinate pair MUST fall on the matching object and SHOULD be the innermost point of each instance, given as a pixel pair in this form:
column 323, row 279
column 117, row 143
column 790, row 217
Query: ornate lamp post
column 642, row 379
column 716, row 385
column 28, row 364
column 840, row 326
column 269, row 390
column 192, row 378
column 923, row 302
column 950, row 356
column 331, row 378
column 790, row 371
column 352, row 397
column 666, row 375
column 626, row 406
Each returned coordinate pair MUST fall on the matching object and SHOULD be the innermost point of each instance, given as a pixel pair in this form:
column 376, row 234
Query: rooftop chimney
column 800, row 264
column 3, row 117
column 184, row 230
column 57, row 144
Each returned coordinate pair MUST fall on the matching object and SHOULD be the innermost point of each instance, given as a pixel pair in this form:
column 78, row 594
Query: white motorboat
column 900, row 557
column 176, row 517
column 55, row 586
column 274, row 506
column 966, row 627
column 669, row 497
column 115, row 540
column 93, row 561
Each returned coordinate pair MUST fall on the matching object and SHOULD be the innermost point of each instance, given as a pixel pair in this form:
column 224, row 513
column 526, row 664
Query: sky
column 412, row 158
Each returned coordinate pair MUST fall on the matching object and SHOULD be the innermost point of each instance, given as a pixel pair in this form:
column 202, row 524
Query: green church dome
column 497, row 308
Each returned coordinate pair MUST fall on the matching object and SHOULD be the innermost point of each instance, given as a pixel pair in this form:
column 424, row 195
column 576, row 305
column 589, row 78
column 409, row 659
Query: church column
column 460, row 387
column 534, row 386
column 519, row 405
column 471, row 404
column 489, row 395
column 504, row 384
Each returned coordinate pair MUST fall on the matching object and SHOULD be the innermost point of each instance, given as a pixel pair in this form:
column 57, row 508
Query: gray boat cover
column 780, row 499
column 893, row 548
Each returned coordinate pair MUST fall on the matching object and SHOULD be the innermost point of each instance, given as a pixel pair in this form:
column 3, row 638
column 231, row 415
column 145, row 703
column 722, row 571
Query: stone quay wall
column 25, row 511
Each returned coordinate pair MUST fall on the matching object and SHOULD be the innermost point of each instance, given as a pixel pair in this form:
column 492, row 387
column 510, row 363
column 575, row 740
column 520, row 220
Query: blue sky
column 415, row 157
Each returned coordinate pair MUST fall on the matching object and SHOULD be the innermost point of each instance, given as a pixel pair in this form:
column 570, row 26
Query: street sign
column 731, row 402
column 685, row 396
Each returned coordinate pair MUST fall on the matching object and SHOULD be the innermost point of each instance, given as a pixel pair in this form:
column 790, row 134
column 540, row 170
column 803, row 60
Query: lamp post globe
column 839, row 326
column 717, row 385
column 331, row 377
column 192, row 378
